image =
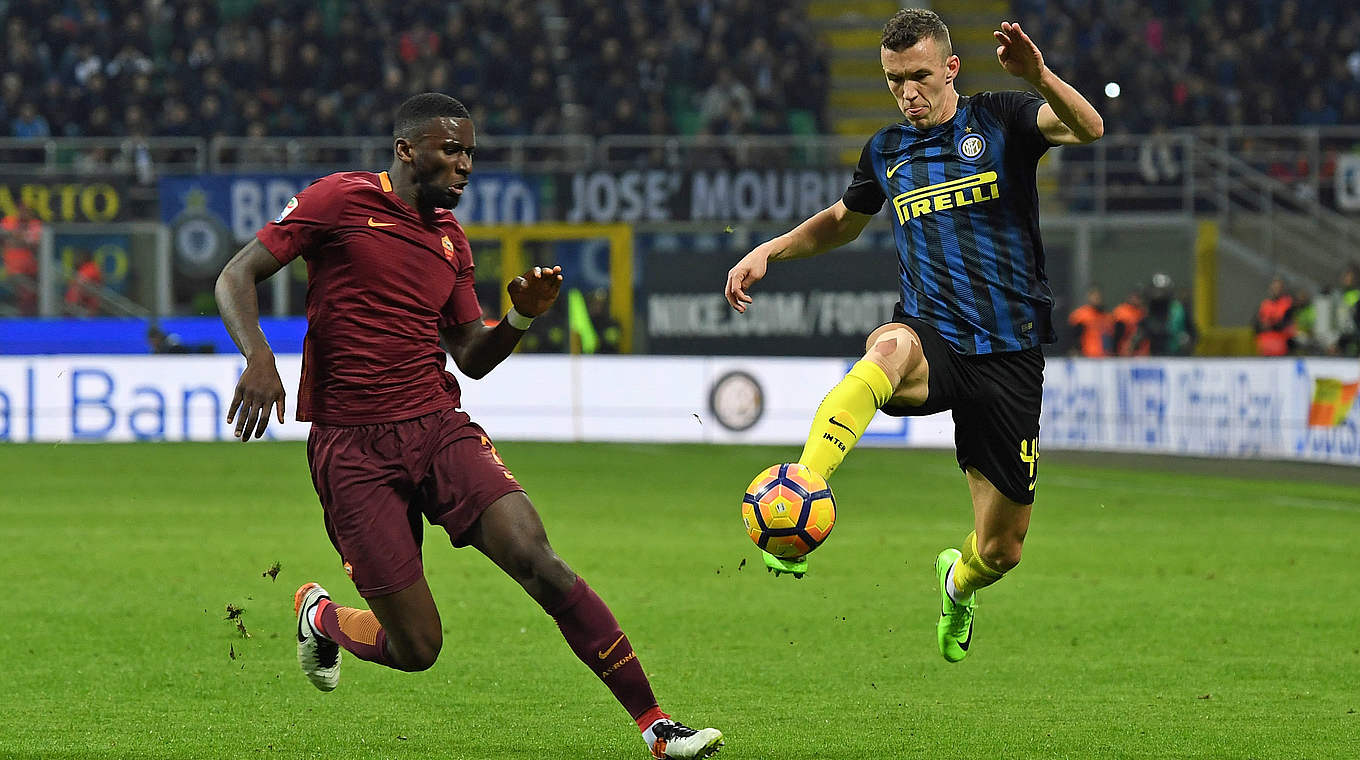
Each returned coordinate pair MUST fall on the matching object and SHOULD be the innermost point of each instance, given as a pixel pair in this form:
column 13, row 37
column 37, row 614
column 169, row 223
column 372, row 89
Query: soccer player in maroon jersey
column 389, row 273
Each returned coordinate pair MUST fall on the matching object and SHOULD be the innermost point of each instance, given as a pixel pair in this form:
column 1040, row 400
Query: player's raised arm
column 477, row 349
column 827, row 229
column 1067, row 118
column 259, row 387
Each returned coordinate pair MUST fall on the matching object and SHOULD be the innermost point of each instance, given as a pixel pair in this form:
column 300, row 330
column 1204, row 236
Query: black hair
column 419, row 109
column 910, row 25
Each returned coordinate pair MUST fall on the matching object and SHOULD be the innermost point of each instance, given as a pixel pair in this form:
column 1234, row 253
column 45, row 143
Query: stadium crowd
column 1201, row 62
column 99, row 68
column 337, row 67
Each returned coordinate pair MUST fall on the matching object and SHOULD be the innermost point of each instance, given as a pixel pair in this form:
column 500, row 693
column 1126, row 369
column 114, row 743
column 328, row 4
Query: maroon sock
column 594, row 635
column 357, row 631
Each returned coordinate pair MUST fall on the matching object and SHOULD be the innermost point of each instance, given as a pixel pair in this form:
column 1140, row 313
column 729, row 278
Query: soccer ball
column 788, row 510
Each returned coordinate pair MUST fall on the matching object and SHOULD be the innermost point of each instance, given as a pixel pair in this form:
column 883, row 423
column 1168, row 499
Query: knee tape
column 896, row 350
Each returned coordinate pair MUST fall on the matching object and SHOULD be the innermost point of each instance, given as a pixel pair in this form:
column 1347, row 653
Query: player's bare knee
column 1001, row 554
column 418, row 653
column 896, row 349
column 542, row 574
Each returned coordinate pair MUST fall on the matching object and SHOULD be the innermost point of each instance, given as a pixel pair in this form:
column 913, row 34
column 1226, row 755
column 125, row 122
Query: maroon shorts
column 377, row 481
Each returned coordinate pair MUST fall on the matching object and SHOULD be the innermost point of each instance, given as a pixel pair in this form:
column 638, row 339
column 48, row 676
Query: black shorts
column 995, row 399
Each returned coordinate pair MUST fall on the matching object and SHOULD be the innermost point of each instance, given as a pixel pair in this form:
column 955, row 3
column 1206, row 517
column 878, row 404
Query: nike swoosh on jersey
column 839, row 425
column 375, row 223
column 897, row 166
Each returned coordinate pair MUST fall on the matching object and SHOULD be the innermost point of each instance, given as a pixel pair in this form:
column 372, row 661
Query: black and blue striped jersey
column 966, row 220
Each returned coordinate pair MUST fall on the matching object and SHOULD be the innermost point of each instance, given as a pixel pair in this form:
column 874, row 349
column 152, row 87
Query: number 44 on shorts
column 1029, row 454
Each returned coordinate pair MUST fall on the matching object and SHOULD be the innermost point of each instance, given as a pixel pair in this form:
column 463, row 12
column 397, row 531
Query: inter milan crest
column 971, row 146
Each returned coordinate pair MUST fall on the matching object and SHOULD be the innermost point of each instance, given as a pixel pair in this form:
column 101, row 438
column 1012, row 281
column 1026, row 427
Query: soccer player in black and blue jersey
column 976, row 306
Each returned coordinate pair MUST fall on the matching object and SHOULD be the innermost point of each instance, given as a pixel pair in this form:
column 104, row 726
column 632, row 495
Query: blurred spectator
column 1274, row 323
column 1168, row 327
column 1093, row 326
column 11, row 94
column 1128, row 327
column 129, row 61
column 83, row 298
column 29, row 123
column 1314, row 316
column 1158, row 159
column 98, row 160
column 727, row 105
column 21, row 235
column 1348, row 313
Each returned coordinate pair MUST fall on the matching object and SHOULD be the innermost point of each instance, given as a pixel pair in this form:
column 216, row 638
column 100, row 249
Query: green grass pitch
column 1160, row 612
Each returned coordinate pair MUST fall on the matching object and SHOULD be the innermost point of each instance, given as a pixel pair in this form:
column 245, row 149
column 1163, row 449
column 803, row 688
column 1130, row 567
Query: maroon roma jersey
column 380, row 284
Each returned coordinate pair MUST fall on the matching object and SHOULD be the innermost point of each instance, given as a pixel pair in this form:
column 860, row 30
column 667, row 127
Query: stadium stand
column 339, row 67
column 1191, row 64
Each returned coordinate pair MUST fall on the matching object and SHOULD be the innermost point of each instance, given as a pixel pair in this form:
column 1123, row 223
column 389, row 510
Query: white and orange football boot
column 318, row 655
column 672, row 740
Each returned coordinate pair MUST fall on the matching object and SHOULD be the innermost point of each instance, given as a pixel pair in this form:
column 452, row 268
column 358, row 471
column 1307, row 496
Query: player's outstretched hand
column 535, row 290
column 1018, row 54
column 746, row 273
column 258, row 389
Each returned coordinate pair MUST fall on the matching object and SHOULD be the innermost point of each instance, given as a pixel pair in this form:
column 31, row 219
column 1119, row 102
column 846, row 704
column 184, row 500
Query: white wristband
column 517, row 320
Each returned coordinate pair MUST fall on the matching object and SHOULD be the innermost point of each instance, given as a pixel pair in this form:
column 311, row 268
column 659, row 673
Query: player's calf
column 893, row 366
column 973, row 570
column 411, row 642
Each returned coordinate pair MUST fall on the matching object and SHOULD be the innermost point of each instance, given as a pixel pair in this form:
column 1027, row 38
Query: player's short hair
column 910, row 25
column 419, row 109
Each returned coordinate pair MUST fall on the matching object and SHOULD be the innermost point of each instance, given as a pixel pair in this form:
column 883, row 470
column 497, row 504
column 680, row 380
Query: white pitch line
column 1297, row 502
column 1327, row 504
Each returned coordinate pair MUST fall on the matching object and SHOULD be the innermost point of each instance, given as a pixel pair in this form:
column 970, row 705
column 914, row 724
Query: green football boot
column 778, row 565
column 954, row 632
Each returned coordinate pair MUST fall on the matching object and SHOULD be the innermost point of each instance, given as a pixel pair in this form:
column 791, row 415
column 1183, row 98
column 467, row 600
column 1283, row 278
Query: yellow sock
column 970, row 572
column 844, row 415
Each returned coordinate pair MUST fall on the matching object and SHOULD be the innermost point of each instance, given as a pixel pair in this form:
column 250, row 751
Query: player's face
column 921, row 78
column 441, row 160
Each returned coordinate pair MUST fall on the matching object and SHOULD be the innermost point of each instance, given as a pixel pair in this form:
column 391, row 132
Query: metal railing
column 51, row 283
column 135, row 157
column 532, row 153
column 1303, row 158
column 1273, row 186
column 721, row 151
column 1274, row 218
